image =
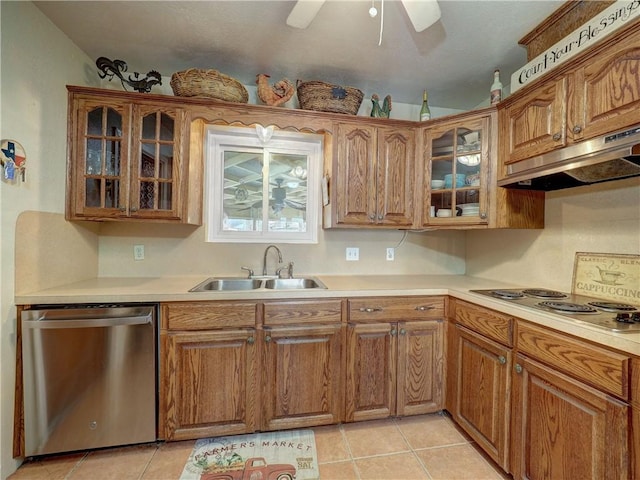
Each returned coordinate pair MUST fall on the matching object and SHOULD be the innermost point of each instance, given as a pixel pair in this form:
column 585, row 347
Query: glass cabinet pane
column 102, row 158
column 156, row 163
column 456, row 163
column 166, row 127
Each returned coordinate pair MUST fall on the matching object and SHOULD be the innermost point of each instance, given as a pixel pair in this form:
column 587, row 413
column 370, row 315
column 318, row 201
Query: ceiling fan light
column 373, row 11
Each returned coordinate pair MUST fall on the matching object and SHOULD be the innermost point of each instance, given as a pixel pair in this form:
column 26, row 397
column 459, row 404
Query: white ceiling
column 454, row 59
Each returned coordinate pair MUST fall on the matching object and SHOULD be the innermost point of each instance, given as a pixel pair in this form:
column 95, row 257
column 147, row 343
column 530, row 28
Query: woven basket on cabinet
column 195, row 82
column 325, row 97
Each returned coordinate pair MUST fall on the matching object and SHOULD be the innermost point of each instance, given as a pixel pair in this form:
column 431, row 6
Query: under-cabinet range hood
column 600, row 159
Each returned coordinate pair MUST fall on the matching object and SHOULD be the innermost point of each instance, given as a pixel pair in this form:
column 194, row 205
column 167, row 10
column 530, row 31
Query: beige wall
column 597, row 218
column 182, row 250
column 37, row 61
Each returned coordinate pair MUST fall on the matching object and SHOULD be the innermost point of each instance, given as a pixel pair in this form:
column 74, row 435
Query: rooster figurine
column 376, row 110
column 274, row 95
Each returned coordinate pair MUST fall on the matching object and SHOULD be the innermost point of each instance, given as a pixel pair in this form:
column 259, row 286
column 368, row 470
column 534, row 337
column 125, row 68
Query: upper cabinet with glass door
column 456, row 169
column 127, row 160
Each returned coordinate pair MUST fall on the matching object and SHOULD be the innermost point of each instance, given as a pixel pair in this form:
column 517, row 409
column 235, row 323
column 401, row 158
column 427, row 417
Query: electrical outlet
column 353, row 254
column 391, row 254
column 138, row 252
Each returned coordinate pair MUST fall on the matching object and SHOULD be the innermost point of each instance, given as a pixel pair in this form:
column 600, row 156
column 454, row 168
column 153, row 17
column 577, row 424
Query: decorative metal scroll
column 109, row 68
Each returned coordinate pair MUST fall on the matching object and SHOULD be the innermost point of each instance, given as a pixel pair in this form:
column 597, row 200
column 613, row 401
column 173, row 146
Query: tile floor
column 426, row 447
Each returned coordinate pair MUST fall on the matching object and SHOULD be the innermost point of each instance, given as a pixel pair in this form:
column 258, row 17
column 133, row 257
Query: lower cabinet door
column 301, row 376
column 480, row 369
column 420, row 364
column 371, row 371
column 563, row 428
column 210, row 383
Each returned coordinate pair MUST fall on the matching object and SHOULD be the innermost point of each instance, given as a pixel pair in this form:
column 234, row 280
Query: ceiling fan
column 422, row 13
column 278, row 199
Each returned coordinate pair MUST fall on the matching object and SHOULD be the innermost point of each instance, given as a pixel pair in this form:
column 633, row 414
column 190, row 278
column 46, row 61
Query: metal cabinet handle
column 557, row 136
column 483, row 216
column 403, row 331
column 267, row 339
column 577, row 129
column 134, row 209
column 251, row 340
column 121, row 208
column 380, row 216
column 372, row 217
column 424, row 308
column 370, row 309
column 502, row 360
column 393, row 332
column 518, row 368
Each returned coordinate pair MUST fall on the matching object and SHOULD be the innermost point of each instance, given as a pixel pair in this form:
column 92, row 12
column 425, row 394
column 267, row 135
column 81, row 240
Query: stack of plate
column 443, row 212
column 470, row 209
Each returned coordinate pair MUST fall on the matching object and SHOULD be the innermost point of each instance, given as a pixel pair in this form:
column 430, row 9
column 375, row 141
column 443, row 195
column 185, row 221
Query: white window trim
column 219, row 138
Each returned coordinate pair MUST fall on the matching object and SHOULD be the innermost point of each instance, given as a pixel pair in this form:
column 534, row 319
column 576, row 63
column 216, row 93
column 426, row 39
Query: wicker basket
column 208, row 83
column 325, row 97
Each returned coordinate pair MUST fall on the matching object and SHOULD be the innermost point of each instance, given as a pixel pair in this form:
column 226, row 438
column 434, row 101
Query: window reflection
column 263, row 190
column 253, row 179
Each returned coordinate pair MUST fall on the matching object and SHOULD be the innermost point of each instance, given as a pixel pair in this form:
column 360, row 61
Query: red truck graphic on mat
column 255, row 469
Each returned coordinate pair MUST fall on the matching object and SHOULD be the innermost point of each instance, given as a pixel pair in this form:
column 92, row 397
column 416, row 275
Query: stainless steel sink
column 220, row 284
column 293, row 283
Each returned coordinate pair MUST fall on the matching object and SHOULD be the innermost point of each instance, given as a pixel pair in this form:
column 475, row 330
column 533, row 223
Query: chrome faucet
column 264, row 260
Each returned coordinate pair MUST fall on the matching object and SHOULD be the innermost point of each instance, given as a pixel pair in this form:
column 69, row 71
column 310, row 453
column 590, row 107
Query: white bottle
column 496, row 88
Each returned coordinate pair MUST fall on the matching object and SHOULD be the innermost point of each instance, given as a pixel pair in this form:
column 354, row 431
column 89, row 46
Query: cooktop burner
column 613, row 307
column 543, row 293
column 568, row 307
column 608, row 315
column 507, row 294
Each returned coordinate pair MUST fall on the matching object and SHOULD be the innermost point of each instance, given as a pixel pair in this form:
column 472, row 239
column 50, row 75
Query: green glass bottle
column 425, row 113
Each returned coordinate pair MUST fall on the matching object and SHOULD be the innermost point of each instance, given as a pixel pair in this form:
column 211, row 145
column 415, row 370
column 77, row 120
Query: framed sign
column 608, row 276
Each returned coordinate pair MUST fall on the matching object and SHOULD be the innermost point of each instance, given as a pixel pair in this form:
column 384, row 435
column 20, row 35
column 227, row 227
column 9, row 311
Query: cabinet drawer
column 601, row 368
column 207, row 315
column 489, row 323
column 395, row 308
column 301, row 312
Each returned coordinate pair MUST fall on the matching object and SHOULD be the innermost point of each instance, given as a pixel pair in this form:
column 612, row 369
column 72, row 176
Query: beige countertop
column 176, row 288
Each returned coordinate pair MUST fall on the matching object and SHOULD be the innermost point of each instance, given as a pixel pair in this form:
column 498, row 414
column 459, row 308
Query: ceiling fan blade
column 422, row 13
column 303, row 13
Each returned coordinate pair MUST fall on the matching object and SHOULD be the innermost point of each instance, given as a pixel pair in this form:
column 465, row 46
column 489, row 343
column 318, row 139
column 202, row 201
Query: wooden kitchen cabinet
column 478, row 377
column 467, row 144
column 208, row 369
column 302, row 364
column 459, row 147
column 535, row 124
column 570, row 411
column 394, row 367
column 128, row 159
column 597, row 94
column 562, row 428
column 374, row 175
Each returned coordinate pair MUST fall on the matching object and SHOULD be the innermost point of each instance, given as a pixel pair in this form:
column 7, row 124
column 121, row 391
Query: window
column 262, row 185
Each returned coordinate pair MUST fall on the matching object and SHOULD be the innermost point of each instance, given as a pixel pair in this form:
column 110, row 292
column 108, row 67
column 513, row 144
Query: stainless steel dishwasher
column 89, row 377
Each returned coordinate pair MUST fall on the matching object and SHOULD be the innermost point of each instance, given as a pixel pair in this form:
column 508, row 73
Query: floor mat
column 260, row 456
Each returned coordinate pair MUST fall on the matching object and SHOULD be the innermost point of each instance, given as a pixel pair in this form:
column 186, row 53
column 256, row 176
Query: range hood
column 600, row 159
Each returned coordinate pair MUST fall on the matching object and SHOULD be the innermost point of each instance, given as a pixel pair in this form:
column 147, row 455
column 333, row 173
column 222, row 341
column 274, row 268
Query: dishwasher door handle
column 90, row 323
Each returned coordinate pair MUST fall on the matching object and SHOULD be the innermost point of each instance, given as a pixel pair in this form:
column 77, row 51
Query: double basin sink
column 239, row 284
